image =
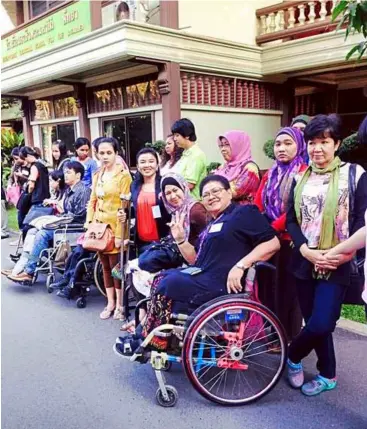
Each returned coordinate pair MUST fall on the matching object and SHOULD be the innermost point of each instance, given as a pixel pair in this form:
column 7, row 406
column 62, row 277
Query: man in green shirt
column 192, row 165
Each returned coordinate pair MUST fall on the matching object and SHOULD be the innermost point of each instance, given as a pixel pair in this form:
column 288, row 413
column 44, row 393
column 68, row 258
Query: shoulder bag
column 99, row 238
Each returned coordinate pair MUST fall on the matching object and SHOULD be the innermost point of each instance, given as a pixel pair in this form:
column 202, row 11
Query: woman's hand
column 234, row 280
column 336, row 260
column 48, row 202
column 117, row 242
column 177, row 227
column 121, row 216
column 315, row 256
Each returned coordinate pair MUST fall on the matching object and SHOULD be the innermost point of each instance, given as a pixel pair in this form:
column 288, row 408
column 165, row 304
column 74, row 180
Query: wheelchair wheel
column 228, row 351
column 50, row 279
column 172, row 397
column 81, row 302
column 98, row 277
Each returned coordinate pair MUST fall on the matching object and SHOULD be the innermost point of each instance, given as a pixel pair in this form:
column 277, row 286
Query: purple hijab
column 276, row 192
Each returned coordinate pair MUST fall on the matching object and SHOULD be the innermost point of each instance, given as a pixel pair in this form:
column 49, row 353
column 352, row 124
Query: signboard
column 60, row 27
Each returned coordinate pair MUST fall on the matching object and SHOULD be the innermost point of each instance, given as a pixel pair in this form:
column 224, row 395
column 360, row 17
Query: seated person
column 237, row 237
column 58, row 187
column 74, row 203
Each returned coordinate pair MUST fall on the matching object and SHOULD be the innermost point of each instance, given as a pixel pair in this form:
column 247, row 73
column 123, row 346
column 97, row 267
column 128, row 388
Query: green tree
column 9, row 140
column 354, row 16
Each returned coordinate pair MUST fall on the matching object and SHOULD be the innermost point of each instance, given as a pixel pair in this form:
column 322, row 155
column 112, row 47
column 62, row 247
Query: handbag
column 62, row 253
column 162, row 255
column 99, row 238
column 353, row 293
column 36, row 212
column 13, row 194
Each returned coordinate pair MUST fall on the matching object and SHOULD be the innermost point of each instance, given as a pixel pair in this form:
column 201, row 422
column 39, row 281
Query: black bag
column 161, row 256
column 353, row 294
column 24, row 203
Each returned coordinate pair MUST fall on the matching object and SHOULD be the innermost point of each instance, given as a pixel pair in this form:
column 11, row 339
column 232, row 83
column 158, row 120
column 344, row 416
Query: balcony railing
column 294, row 20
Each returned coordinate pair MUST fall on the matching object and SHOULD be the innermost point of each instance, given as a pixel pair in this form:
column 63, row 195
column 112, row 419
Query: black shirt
column 41, row 189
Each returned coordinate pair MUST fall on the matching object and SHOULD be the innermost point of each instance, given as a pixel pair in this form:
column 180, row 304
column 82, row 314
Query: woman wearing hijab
column 278, row 290
column 239, row 168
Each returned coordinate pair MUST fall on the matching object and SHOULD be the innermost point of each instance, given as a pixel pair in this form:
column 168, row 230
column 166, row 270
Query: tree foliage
column 353, row 14
column 9, row 140
column 8, row 102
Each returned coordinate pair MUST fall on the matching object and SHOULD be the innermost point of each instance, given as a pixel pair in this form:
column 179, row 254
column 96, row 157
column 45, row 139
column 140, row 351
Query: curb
column 351, row 326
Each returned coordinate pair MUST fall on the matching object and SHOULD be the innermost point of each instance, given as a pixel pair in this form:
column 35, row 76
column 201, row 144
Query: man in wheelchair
column 219, row 269
column 74, row 203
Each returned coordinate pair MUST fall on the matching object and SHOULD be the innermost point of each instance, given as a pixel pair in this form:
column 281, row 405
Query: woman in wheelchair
column 74, row 203
column 237, row 237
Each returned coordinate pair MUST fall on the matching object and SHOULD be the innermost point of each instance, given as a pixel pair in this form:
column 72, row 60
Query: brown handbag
column 99, row 238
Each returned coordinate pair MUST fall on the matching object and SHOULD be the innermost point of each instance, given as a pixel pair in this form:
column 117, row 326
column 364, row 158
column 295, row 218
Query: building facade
column 129, row 69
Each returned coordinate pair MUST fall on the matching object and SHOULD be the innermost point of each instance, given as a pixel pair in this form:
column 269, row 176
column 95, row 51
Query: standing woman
column 150, row 213
column 38, row 184
column 82, row 149
column 326, row 205
column 109, row 183
column 278, row 290
column 239, row 168
column 170, row 155
column 59, row 155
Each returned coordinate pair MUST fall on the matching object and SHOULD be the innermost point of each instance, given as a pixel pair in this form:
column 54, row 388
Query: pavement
column 59, row 372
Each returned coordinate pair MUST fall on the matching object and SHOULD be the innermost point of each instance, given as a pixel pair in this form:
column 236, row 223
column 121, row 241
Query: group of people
column 200, row 233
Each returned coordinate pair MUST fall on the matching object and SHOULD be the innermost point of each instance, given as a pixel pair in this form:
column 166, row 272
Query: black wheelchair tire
column 98, row 277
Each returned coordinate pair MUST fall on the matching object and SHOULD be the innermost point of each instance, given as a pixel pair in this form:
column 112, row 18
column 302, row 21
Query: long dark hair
column 63, row 153
column 58, row 176
column 26, row 150
column 176, row 154
column 139, row 179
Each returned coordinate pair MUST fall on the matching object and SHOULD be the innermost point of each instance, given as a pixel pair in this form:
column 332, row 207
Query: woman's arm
column 258, row 201
column 352, row 244
column 178, row 233
column 91, row 206
column 247, row 183
column 261, row 252
column 33, row 176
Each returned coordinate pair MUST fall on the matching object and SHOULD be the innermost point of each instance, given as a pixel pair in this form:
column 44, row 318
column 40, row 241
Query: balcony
column 293, row 20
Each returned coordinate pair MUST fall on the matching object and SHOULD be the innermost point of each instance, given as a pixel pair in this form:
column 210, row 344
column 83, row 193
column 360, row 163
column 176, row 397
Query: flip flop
column 128, row 327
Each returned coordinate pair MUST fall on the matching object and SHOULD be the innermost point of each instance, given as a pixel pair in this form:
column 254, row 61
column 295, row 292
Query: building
column 82, row 69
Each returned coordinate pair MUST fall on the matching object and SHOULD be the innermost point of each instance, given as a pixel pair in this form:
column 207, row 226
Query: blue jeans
column 41, row 242
column 320, row 303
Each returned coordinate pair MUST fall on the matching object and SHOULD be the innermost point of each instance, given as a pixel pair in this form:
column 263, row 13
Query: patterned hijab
column 240, row 145
column 276, row 192
column 175, row 179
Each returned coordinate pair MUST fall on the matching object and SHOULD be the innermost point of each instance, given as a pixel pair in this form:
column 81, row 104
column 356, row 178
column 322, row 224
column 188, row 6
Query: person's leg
column 119, row 312
column 41, row 242
column 109, row 285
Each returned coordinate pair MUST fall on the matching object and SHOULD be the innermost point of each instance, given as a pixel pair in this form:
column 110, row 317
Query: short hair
column 76, row 166
column 26, row 150
column 215, row 178
column 185, row 128
column 62, row 148
column 81, row 141
column 15, row 152
column 110, row 140
column 323, row 126
column 147, row 150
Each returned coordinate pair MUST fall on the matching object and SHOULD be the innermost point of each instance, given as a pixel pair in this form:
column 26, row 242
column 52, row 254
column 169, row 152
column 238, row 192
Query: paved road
column 59, row 372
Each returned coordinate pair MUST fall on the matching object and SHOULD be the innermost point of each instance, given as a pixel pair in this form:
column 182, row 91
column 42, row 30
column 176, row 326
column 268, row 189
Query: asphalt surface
column 59, row 372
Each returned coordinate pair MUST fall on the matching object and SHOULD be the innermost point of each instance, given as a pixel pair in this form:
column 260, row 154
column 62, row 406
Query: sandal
column 119, row 314
column 129, row 327
column 106, row 313
column 6, row 272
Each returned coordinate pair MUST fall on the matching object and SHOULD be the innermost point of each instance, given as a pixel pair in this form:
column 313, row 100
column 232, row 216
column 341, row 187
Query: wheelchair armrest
column 263, row 264
column 74, row 226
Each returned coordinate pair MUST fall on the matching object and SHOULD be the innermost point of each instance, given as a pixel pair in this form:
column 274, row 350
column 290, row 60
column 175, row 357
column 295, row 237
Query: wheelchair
column 232, row 348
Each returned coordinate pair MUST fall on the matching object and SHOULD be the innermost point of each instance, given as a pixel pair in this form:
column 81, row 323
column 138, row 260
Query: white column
column 291, row 19
column 302, row 16
column 272, row 25
column 263, row 25
column 281, row 20
column 312, row 14
column 323, row 11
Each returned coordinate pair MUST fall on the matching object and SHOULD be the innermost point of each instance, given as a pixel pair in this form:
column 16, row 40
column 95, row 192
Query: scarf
column 328, row 236
column 172, row 178
column 276, row 192
column 240, row 145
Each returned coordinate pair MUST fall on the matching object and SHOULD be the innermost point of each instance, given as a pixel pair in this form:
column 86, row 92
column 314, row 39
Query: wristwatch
column 241, row 266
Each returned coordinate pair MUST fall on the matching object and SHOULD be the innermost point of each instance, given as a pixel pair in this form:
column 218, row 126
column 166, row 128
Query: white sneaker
column 364, row 296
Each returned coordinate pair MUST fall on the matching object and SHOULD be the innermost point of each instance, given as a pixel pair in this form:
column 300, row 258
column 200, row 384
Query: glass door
column 52, row 132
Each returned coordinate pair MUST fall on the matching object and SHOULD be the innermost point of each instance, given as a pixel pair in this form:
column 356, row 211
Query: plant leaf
column 352, row 51
column 340, row 7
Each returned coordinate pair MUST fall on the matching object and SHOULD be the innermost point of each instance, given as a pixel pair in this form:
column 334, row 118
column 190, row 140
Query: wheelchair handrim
column 97, row 282
column 193, row 333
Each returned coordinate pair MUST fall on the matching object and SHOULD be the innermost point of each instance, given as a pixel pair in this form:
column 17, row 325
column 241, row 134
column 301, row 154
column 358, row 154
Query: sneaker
column 127, row 347
column 295, row 374
column 318, row 385
column 60, row 284
column 65, row 292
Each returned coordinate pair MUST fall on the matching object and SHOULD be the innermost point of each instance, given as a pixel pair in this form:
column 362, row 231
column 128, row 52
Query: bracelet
column 182, row 242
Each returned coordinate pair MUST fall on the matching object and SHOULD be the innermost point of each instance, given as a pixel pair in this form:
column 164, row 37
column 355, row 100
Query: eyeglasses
column 220, row 145
column 215, row 192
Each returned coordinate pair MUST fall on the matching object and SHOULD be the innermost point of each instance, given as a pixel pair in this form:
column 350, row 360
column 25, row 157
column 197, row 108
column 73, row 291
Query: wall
column 158, row 125
column 94, row 128
column 209, row 125
column 225, row 19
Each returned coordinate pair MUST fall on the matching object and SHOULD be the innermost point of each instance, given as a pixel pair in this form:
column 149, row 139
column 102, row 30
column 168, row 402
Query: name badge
column 100, row 193
column 156, row 212
column 216, row 227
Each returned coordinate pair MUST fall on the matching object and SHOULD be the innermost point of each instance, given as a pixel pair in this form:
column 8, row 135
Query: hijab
column 175, row 179
column 276, row 192
column 240, row 145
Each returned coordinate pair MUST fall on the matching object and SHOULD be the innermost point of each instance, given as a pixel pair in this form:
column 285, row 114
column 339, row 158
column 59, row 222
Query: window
column 132, row 132
column 38, row 7
column 50, row 133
